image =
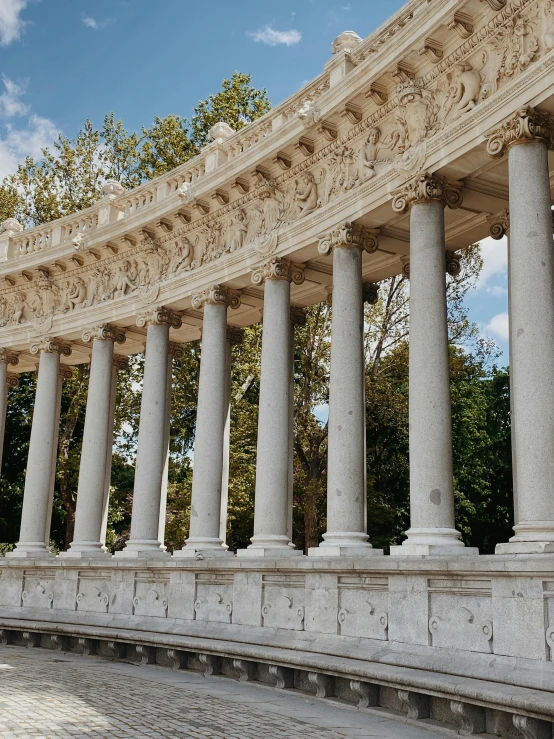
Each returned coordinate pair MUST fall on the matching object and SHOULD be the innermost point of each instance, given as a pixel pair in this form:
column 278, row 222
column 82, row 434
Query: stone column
column 527, row 137
column 432, row 527
column 6, row 381
column 95, row 454
column 297, row 318
column 43, row 447
column 346, row 474
column 271, row 517
column 152, row 441
column 204, row 535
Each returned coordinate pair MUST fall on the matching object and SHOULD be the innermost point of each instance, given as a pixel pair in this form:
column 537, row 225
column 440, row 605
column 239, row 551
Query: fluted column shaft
column 96, row 453
column 152, row 440
column 41, row 461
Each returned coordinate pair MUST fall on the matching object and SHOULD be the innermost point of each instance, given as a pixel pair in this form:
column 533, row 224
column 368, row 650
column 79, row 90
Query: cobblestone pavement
column 46, row 694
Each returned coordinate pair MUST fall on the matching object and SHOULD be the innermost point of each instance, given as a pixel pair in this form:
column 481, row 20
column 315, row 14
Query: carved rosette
column 49, row 345
column 278, row 269
column 159, row 317
column 427, row 188
column 12, row 380
column 235, row 336
column 350, row 235
column 65, row 372
column 176, row 351
column 528, row 124
column 104, row 332
column 216, row 295
column 499, row 225
column 370, row 292
column 8, row 357
column 120, row 362
column 297, row 316
column 453, row 263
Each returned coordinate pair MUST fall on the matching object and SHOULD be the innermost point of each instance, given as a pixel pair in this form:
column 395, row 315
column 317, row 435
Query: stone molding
column 370, row 292
column 12, row 380
column 159, row 317
column 120, row 362
column 65, row 371
column 349, row 235
column 528, row 124
column 49, row 345
column 427, row 188
column 235, row 335
column 8, row 357
column 500, row 224
column 176, row 351
column 298, row 316
column 217, row 295
column 453, row 264
column 104, row 332
column 278, row 269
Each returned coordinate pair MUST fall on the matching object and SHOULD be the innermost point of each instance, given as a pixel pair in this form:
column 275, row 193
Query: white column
column 271, row 517
column 6, row 381
column 346, row 475
column 96, row 453
column 297, row 318
column 432, row 519
column 531, row 277
column 144, row 541
column 41, row 462
column 204, row 534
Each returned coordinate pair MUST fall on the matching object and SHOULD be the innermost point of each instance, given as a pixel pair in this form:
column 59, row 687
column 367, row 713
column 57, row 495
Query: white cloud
column 497, row 291
column 499, row 326
column 10, row 100
column 495, row 261
column 91, row 22
column 11, row 23
column 272, row 37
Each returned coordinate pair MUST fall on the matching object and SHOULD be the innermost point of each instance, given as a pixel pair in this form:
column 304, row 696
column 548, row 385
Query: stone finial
column 120, row 362
column 11, row 226
column 50, row 345
column 235, row 336
column 370, row 292
column 65, row 371
column 527, row 124
column 426, row 188
column 298, row 316
column 346, row 41
column 499, row 224
column 79, row 241
column 8, row 357
column 176, row 351
column 112, row 189
column 104, row 332
column 350, row 235
column 278, row 269
column 216, row 295
column 12, row 380
column 159, row 316
column 219, row 133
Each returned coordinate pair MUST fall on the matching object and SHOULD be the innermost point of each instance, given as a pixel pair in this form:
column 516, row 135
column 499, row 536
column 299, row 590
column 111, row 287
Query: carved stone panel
column 151, row 595
column 214, row 598
column 461, row 614
column 38, row 589
column 363, row 607
column 283, row 602
column 93, row 592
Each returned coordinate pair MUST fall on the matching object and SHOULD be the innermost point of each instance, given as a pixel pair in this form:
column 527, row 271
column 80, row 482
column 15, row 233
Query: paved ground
column 46, row 694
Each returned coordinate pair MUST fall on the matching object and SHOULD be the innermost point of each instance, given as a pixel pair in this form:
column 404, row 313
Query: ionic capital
column 104, row 332
column 370, row 292
column 65, row 371
column 405, row 267
column 278, row 269
column 349, row 235
column 528, row 124
column 427, row 188
column 499, row 224
column 120, row 362
column 176, row 351
column 453, row 263
column 235, row 336
column 297, row 316
column 50, row 345
column 12, row 380
column 216, row 295
column 159, row 316
column 8, row 357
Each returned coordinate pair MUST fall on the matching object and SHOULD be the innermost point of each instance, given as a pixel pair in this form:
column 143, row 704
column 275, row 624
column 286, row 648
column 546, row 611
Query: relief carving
column 150, row 599
column 461, row 629
column 93, row 595
column 214, row 604
column 282, row 610
column 37, row 593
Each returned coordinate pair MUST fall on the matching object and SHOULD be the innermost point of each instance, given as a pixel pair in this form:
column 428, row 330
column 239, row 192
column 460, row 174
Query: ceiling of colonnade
column 420, row 94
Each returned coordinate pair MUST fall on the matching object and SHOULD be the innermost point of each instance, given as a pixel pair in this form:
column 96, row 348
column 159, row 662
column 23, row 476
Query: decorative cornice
column 528, row 124
column 104, row 332
column 349, row 235
column 50, row 345
column 235, row 335
column 8, row 357
column 370, row 292
column 65, row 371
column 453, row 263
column 12, row 380
column 159, row 316
column 298, row 316
column 120, row 362
column 499, row 224
column 176, row 351
column 278, row 269
column 426, row 188
column 216, row 295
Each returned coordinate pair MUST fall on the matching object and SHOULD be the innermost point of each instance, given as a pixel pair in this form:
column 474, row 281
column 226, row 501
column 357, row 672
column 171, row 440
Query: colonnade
column 433, row 529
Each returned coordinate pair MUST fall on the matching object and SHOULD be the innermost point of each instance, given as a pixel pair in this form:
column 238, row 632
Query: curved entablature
column 412, row 98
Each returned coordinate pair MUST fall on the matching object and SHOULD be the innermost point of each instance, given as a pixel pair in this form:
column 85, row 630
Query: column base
column 269, row 552
column 525, row 547
column 86, row 550
column 203, row 548
column 30, row 550
column 345, row 544
column 531, row 537
column 142, row 549
column 433, row 543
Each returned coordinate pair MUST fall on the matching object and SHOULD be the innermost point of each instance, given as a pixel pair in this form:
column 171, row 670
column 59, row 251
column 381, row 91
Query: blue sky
column 63, row 61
